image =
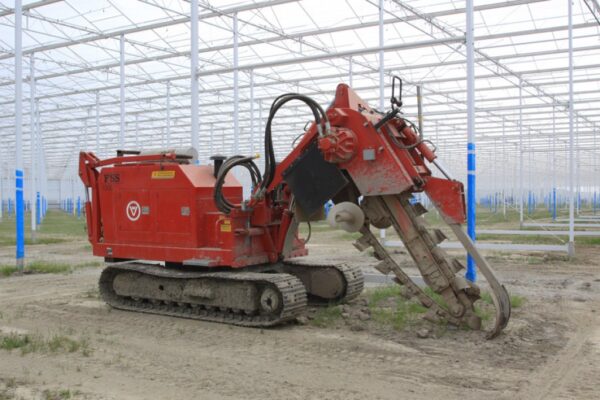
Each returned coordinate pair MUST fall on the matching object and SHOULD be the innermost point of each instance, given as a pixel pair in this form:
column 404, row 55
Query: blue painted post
column 553, row 204
column 20, row 220
column 38, row 217
column 471, row 273
column 20, row 217
column 496, row 197
column 78, row 207
column 328, row 206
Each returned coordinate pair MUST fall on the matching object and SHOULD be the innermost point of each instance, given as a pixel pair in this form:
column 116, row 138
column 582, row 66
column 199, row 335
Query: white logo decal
column 133, row 210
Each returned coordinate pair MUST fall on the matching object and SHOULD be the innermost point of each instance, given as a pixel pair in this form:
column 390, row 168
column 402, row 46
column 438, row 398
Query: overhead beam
column 28, row 7
column 162, row 24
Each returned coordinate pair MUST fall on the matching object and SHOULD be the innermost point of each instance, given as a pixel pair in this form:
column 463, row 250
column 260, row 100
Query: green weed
column 14, row 341
column 38, row 344
column 516, row 301
column 57, row 227
column 60, row 394
column 378, row 295
column 327, row 316
column 397, row 315
column 43, row 267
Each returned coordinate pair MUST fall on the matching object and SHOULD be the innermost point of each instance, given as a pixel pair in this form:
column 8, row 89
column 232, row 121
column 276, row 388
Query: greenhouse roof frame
column 292, row 45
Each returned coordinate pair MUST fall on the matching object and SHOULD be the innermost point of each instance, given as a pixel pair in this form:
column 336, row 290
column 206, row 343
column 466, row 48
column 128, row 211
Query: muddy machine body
column 181, row 240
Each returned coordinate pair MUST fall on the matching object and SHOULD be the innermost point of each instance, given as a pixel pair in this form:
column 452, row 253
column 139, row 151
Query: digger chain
column 438, row 272
column 388, row 264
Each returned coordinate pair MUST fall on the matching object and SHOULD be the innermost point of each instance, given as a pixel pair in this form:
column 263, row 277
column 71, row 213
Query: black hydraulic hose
column 270, row 162
column 221, row 202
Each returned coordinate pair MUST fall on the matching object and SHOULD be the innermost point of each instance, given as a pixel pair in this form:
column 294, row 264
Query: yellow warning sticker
column 163, row 174
column 226, row 225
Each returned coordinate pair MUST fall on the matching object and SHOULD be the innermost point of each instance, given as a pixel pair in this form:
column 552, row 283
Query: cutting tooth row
column 437, row 269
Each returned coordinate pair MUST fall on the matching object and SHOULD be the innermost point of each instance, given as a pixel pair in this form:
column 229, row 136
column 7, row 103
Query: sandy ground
column 550, row 350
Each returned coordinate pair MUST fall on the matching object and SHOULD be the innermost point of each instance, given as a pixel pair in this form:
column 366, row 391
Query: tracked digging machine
column 179, row 239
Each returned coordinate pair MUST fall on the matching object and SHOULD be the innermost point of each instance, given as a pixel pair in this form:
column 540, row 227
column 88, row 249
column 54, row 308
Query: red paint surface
column 174, row 218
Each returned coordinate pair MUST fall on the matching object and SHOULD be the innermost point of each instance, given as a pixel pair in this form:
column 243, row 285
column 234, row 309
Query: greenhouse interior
column 486, row 113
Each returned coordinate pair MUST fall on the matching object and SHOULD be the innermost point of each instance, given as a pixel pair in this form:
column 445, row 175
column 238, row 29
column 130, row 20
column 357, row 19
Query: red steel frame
column 178, row 221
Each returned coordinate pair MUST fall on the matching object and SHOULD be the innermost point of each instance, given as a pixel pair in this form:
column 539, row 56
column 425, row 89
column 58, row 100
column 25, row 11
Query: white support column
column 168, row 114
column 521, row 166
column 381, row 76
column 420, row 108
column 1, row 192
column 236, row 94
column 577, row 168
column 194, row 71
column 504, row 163
column 41, row 160
column 571, row 139
column 19, row 209
column 122, row 91
column 4, row 186
column 260, row 123
column 252, row 112
column 137, row 132
column 211, row 146
column 350, row 77
column 33, row 173
column 98, row 123
column 381, row 59
column 553, row 193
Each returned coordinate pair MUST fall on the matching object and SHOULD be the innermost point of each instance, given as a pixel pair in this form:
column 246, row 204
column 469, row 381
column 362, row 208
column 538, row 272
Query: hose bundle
column 224, row 205
column 263, row 182
column 320, row 118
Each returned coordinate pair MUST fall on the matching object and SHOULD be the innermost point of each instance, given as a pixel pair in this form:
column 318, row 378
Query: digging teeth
column 457, row 266
column 473, row 291
column 419, row 209
column 460, row 283
column 432, row 316
column 383, row 267
column 362, row 243
column 438, row 236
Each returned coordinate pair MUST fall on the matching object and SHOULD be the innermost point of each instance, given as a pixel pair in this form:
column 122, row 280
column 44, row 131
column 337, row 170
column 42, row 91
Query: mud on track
column 551, row 349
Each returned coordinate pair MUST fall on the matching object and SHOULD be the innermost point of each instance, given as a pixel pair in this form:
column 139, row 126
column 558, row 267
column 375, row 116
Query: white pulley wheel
column 347, row 216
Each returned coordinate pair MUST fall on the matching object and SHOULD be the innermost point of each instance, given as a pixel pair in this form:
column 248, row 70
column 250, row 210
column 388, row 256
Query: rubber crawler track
column 352, row 275
column 291, row 290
